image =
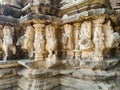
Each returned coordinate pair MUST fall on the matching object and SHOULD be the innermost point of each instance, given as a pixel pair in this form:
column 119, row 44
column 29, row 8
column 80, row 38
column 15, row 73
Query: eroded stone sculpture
column 111, row 37
column 7, row 44
column 26, row 41
column 68, row 28
column 86, row 44
column 64, row 40
column 51, row 41
column 64, row 43
column 51, row 44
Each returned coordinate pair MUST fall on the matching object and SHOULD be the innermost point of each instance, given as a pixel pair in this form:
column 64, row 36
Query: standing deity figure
column 64, row 40
column 98, row 39
column 112, row 39
column 69, row 34
column 110, row 36
column 70, row 39
column 26, row 41
column 7, row 44
column 39, row 43
column 85, row 36
column 51, row 41
column 86, row 44
column 51, row 45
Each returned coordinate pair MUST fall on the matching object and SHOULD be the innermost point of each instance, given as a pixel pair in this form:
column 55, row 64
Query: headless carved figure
column 26, row 41
column 51, row 41
column 8, row 41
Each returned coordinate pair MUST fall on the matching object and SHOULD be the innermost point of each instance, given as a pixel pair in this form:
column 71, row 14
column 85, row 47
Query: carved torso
column 7, row 36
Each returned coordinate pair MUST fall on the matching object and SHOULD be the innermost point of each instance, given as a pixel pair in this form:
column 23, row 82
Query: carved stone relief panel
column 51, row 40
column 26, row 41
column 85, row 42
column 69, row 36
column 51, row 45
column 7, row 43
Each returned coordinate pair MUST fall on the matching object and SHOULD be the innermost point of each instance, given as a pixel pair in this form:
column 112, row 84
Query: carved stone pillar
column 98, row 39
column 39, row 43
column 64, row 43
column 76, row 40
column 69, row 40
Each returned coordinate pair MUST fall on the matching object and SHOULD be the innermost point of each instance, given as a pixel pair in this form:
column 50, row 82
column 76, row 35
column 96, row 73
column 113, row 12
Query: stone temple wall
column 60, row 45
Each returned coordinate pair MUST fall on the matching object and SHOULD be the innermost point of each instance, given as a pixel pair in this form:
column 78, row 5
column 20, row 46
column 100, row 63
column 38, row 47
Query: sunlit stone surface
column 59, row 45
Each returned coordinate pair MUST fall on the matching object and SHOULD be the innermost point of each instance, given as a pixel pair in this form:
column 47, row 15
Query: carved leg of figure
column 14, row 50
column 30, row 54
column 5, row 49
column 50, row 53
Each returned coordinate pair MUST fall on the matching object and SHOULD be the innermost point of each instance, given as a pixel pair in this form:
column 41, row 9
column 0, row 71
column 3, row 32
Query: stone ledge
column 94, row 75
column 102, row 65
column 79, row 84
column 8, row 64
column 79, row 3
column 26, row 63
column 38, row 84
column 39, row 18
column 76, row 17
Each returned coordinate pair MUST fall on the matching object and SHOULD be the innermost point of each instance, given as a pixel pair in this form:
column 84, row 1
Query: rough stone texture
column 38, row 84
column 94, row 75
column 87, row 85
column 9, row 83
column 77, row 51
column 66, row 18
column 102, row 65
column 61, row 87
